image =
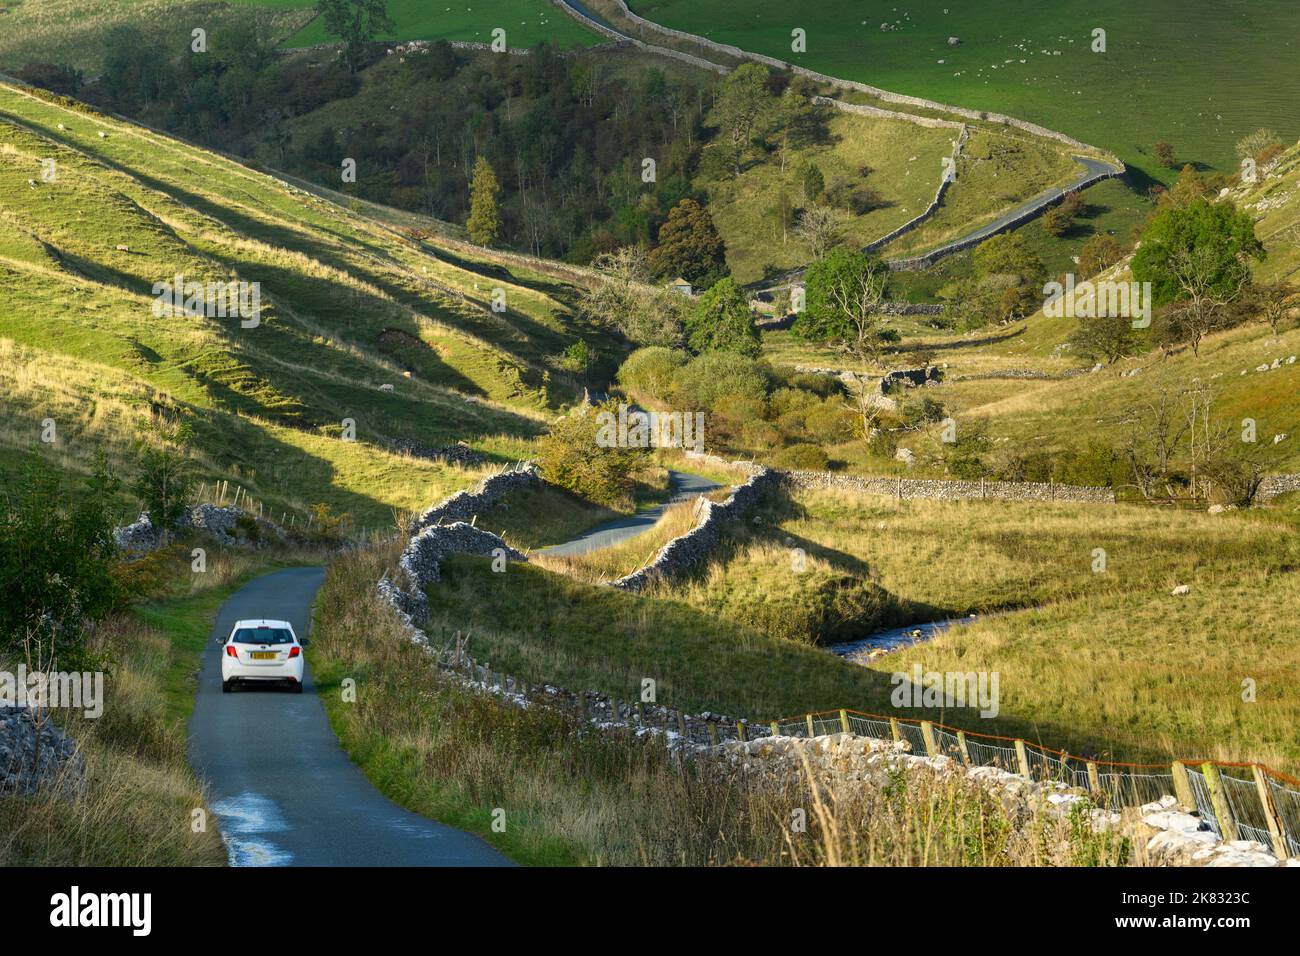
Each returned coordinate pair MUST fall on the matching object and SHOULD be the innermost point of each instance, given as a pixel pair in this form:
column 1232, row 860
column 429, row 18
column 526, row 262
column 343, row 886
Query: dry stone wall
column 684, row 552
column 464, row 505
column 1274, row 485
column 938, row 489
column 873, row 91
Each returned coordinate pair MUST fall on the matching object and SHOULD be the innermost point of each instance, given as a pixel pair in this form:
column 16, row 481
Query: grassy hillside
column 1034, row 61
column 526, row 22
column 904, row 169
column 73, row 31
column 348, row 305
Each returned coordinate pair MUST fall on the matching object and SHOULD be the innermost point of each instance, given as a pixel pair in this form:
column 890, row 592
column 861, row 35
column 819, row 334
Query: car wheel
column 227, row 686
column 297, row 687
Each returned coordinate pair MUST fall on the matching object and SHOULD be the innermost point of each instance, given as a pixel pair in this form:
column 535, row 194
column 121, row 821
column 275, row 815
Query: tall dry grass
column 571, row 795
column 135, row 806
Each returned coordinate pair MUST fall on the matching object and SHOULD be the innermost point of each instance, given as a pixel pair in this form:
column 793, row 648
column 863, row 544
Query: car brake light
column 231, row 652
column 294, row 651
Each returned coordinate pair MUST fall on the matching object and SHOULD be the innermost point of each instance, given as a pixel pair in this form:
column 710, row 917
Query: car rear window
column 263, row 635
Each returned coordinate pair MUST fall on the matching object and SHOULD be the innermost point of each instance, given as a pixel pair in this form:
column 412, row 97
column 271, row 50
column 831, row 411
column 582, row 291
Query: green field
column 1197, row 73
column 526, row 22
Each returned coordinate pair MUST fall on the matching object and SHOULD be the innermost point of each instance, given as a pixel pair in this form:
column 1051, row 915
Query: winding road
column 284, row 791
column 682, row 486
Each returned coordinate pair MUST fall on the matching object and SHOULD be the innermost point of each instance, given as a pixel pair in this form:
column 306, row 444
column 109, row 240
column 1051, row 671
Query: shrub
column 923, row 412
column 651, row 371
column 704, row 381
column 571, row 457
column 802, row 457
column 326, row 526
column 56, row 555
column 831, row 423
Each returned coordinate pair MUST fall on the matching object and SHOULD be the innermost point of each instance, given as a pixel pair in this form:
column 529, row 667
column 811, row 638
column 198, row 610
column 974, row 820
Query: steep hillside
column 97, row 211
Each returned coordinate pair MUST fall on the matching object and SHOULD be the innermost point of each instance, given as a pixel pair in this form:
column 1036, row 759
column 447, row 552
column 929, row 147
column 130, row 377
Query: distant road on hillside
column 683, row 487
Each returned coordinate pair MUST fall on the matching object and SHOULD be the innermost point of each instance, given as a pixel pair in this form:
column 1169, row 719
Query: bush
column 56, row 556
column 571, row 457
column 325, row 526
column 923, row 412
column 824, row 386
column 802, row 457
column 651, row 371
column 703, row 382
column 831, row 423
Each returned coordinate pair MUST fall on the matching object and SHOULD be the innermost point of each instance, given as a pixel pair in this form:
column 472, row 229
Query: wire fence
column 1238, row 801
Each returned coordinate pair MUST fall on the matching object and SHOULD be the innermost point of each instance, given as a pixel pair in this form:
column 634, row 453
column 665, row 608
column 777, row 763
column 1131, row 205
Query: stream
column 864, row 650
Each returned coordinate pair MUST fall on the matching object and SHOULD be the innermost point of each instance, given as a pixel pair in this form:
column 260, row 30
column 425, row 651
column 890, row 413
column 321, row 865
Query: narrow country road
column 682, row 487
column 284, row 791
column 1092, row 169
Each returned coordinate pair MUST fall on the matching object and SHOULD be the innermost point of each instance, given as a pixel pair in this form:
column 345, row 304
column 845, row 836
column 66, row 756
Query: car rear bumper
column 283, row 670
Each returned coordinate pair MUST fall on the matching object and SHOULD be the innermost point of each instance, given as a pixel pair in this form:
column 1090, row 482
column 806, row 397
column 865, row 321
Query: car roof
column 262, row 622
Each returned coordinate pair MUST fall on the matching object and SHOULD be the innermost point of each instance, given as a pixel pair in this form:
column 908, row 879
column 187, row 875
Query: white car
column 259, row 651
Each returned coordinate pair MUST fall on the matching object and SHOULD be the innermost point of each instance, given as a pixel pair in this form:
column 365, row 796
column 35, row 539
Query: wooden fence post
column 893, row 729
column 681, row 724
column 740, row 730
column 1183, row 786
column 961, row 744
column 927, row 732
column 1276, row 826
column 640, row 713
column 1094, row 780
column 713, row 733
column 776, row 729
column 1222, row 813
column 844, row 720
column 810, row 726
column 1023, row 757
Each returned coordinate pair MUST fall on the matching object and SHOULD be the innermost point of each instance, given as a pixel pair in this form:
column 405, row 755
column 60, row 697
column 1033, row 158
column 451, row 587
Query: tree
column 1252, row 144
column 722, row 322
column 689, row 246
column 1055, row 222
column 1106, row 338
column 1189, row 187
column 484, row 221
column 356, row 23
column 1007, row 283
column 1100, row 252
column 1196, row 256
column 814, row 184
column 845, row 292
column 1164, row 153
column 625, row 300
column 743, row 98
column 821, row 227
column 1274, row 302
column 165, row 479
